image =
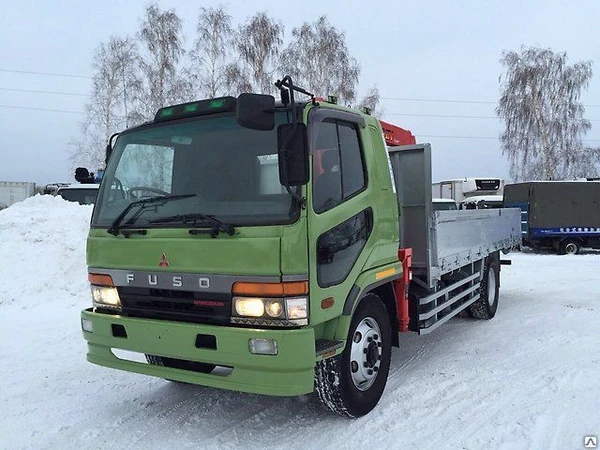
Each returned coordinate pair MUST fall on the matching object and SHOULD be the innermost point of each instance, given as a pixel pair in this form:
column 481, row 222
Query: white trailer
column 462, row 188
column 15, row 191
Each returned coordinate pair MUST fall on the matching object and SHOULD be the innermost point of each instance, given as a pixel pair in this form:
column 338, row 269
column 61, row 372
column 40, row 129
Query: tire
column 570, row 247
column 487, row 305
column 415, row 292
column 352, row 383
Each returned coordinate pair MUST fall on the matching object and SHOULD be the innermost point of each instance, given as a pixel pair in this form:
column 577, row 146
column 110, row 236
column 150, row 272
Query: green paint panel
column 250, row 252
column 294, row 254
column 289, row 373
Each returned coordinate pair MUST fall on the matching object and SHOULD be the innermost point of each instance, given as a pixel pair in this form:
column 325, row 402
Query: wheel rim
column 570, row 248
column 491, row 287
column 365, row 353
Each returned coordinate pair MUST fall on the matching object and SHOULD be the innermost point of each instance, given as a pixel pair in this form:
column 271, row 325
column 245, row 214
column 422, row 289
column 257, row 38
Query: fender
column 366, row 282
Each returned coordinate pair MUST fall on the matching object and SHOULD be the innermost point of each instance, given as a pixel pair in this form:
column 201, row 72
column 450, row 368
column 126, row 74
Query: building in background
column 15, row 191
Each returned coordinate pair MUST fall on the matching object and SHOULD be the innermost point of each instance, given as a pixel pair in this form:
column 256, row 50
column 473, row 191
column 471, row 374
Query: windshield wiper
column 142, row 204
column 196, row 218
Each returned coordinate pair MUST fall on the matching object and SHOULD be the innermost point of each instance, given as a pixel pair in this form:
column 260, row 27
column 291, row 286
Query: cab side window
column 338, row 171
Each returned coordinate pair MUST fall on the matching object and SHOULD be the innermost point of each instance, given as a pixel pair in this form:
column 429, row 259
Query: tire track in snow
column 208, row 416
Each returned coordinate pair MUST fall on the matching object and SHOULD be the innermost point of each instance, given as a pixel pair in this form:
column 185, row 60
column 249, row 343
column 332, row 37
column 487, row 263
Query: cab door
column 340, row 216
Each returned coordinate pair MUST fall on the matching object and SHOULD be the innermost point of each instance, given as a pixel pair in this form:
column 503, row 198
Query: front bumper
column 288, row 373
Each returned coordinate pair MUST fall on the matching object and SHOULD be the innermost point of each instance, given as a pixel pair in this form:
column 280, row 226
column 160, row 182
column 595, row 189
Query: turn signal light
column 270, row 289
column 100, row 279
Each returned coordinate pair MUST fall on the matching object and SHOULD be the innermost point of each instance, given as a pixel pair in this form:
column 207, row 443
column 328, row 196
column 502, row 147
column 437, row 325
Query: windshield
column 228, row 172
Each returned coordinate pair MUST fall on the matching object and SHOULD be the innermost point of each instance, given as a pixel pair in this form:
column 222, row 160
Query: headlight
column 274, row 307
column 249, row 307
column 106, row 297
column 270, row 311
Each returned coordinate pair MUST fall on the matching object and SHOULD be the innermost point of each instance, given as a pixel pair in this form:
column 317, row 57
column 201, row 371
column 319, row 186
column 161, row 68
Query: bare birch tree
column 212, row 48
column 540, row 106
column 259, row 43
column 163, row 83
column 114, row 80
column 318, row 59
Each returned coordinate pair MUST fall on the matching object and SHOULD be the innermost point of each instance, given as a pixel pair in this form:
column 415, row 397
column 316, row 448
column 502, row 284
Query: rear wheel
column 352, row 383
column 486, row 306
column 570, row 247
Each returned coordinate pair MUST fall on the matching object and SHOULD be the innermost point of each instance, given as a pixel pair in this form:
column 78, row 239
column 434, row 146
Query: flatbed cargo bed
column 459, row 237
column 444, row 241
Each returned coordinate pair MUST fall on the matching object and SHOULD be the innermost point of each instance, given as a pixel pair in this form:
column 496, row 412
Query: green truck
column 278, row 248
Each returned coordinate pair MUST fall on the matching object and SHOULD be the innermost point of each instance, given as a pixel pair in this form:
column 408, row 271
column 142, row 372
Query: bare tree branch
column 371, row 101
column 258, row 43
column 161, row 38
column 212, row 48
column 108, row 110
column 319, row 60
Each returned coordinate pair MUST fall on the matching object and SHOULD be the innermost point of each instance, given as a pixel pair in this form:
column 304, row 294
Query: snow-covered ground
column 528, row 379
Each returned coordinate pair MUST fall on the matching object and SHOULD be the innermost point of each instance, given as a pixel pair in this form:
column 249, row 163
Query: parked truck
column 205, row 268
column 560, row 215
column 15, row 191
column 462, row 189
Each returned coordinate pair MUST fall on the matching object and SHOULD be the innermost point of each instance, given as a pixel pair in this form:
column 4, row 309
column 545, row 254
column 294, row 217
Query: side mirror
column 256, row 111
column 293, row 154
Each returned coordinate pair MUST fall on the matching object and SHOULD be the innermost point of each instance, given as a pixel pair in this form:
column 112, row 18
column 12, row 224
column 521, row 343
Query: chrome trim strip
column 128, row 355
column 179, row 281
column 269, row 323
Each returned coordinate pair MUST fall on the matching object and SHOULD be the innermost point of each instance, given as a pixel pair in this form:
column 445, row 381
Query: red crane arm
column 395, row 135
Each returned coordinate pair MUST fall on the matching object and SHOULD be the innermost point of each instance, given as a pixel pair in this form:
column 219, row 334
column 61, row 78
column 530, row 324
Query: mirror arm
column 301, row 200
column 287, row 82
column 109, row 148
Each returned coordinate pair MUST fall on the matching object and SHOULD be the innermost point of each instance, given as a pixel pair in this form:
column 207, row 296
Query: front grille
column 181, row 306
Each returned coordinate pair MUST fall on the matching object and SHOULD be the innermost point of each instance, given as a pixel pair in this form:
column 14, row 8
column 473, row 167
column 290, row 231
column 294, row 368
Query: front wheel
column 352, row 383
column 486, row 306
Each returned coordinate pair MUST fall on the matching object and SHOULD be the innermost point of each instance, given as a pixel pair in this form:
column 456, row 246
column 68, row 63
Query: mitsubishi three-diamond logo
column 163, row 261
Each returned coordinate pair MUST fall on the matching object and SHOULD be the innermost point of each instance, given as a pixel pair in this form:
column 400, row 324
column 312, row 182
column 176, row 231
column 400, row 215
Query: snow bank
column 528, row 379
column 42, row 246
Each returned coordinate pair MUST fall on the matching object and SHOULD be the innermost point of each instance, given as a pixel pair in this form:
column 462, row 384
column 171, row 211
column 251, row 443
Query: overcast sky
column 417, row 53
